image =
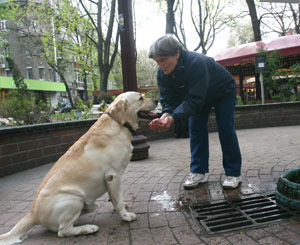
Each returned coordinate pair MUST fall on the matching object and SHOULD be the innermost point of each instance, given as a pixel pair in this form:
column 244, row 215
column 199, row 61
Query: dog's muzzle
column 147, row 115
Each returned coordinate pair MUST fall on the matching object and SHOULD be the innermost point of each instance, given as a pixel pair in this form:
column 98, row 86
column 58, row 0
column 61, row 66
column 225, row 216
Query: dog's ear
column 118, row 111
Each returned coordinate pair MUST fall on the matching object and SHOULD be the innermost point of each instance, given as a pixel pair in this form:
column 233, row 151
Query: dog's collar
column 126, row 125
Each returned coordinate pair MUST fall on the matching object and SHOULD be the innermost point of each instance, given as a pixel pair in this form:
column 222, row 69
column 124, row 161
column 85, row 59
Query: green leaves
column 24, row 108
column 280, row 80
column 18, row 78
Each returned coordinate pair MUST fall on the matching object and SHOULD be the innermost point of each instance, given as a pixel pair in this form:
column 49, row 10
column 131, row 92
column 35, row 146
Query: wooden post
column 128, row 50
column 128, row 55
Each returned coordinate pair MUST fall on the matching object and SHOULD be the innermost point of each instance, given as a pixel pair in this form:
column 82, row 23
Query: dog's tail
column 18, row 232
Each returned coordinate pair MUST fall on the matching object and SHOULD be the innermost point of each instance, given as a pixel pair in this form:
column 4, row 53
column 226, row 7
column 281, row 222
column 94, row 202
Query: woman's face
column 167, row 63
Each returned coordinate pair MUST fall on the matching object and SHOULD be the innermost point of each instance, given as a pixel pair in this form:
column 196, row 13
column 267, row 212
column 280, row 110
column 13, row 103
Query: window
column 34, row 23
column 2, row 59
column 8, row 73
column 78, row 76
column 6, row 51
column 51, row 74
column 27, row 49
column 3, row 25
column 29, row 73
column 41, row 73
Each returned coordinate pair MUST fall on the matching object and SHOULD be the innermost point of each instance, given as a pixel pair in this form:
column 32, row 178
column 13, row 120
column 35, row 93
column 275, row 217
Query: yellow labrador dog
column 90, row 168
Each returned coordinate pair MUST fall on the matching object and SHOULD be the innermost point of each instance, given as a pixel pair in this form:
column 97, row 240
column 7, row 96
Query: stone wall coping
column 45, row 126
column 78, row 123
column 270, row 105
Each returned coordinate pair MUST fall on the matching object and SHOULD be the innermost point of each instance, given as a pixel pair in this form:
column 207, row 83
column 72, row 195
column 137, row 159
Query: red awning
column 245, row 53
column 286, row 45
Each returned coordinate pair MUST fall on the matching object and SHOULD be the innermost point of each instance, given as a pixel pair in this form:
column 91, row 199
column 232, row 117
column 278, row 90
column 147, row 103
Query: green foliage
column 21, row 104
column 108, row 98
column 287, row 82
column 254, row 102
column 240, row 33
column 291, row 87
column 272, row 66
column 276, row 97
column 84, row 109
column 116, row 76
column 24, row 108
column 152, row 94
column 281, row 82
column 60, row 116
column 146, row 69
column 60, row 30
column 17, row 77
column 239, row 100
column 102, row 107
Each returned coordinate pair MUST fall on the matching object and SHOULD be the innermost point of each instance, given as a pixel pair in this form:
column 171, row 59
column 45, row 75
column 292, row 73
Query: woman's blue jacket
column 196, row 81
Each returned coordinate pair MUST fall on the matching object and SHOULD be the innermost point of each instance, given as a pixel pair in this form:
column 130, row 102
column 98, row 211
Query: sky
column 151, row 24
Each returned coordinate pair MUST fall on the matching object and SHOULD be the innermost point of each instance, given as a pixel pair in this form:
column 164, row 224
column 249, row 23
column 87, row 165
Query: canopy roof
column 8, row 83
column 245, row 53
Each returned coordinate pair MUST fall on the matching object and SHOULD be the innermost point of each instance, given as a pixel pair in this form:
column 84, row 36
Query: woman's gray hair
column 166, row 45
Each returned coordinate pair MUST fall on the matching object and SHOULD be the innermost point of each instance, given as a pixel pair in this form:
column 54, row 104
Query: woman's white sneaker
column 194, row 180
column 231, row 182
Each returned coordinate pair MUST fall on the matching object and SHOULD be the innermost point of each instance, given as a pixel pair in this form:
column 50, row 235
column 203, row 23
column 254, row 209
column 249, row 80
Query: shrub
column 152, row 94
column 24, row 108
column 239, row 100
column 108, row 98
column 83, row 108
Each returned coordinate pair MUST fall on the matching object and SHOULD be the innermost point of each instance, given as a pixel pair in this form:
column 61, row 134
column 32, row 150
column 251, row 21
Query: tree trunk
column 103, row 81
column 62, row 77
column 170, row 18
column 257, row 37
column 85, row 97
column 296, row 17
column 254, row 20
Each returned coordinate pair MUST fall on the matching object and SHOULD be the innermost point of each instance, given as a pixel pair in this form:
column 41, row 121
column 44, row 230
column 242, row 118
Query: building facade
column 36, row 71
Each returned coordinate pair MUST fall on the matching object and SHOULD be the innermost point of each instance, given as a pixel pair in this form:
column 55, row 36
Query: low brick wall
column 268, row 115
column 26, row 147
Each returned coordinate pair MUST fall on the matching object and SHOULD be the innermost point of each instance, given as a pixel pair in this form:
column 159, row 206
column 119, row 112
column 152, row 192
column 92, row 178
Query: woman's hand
column 162, row 123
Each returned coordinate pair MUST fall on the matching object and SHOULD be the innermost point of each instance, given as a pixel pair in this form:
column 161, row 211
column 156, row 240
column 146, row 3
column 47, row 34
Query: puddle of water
column 166, row 201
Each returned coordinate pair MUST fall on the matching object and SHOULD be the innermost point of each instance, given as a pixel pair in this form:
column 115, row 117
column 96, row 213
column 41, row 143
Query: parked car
column 66, row 108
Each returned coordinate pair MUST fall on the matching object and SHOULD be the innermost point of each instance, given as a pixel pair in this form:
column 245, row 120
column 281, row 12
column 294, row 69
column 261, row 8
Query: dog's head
column 126, row 108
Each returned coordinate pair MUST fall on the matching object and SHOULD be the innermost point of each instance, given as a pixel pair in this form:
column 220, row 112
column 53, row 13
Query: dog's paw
column 126, row 216
column 91, row 229
column 78, row 230
column 86, row 229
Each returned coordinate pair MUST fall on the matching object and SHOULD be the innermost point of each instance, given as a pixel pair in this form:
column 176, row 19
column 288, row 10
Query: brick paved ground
column 153, row 189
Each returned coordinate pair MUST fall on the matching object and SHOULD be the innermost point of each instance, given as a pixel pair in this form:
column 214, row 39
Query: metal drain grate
column 247, row 212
